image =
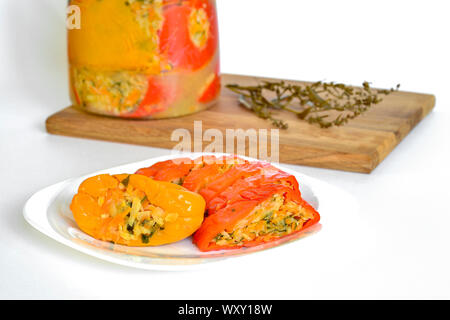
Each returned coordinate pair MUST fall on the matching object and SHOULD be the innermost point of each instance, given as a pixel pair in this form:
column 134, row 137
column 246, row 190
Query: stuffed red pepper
column 254, row 215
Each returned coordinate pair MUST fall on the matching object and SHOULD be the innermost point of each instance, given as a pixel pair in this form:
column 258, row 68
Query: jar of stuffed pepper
column 148, row 59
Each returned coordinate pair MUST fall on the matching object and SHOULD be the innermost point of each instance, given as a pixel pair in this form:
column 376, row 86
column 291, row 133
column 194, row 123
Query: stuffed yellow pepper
column 134, row 210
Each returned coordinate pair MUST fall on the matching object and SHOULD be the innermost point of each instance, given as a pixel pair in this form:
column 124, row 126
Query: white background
column 403, row 204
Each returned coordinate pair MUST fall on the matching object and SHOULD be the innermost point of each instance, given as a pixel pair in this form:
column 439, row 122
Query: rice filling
column 274, row 218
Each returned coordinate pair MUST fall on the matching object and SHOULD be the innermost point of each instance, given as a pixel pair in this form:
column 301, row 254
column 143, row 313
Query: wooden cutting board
column 359, row 146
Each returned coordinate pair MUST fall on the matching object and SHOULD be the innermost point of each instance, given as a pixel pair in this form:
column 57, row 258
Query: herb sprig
column 312, row 103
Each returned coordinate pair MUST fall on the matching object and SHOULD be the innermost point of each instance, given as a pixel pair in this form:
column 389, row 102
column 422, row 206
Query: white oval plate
column 48, row 211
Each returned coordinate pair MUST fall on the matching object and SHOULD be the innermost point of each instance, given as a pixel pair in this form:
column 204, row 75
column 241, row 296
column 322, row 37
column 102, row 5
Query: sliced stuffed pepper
column 191, row 174
column 254, row 215
column 247, row 203
column 174, row 171
column 213, row 168
column 215, row 193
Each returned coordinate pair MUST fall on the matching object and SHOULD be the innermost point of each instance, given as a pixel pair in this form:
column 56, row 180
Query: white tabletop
column 403, row 203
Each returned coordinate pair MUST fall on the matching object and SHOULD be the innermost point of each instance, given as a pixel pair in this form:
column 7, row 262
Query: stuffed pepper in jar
column 146, row 59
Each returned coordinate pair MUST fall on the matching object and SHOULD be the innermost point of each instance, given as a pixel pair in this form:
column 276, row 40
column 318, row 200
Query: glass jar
column 147, row 59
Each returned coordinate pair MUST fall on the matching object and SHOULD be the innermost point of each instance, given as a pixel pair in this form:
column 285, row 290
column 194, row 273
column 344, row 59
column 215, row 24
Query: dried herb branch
column 313, row 103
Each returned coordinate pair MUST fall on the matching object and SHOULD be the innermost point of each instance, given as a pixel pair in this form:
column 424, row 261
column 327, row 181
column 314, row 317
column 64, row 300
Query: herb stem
column 309, row 102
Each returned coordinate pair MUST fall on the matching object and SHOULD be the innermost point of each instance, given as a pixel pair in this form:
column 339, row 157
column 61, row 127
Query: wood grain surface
column 359, row 146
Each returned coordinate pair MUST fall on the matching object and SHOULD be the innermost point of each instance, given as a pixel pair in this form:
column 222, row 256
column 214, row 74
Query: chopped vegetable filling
column 112, row 92
column 142, row 220
column 271, row 219
column 199, row 27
